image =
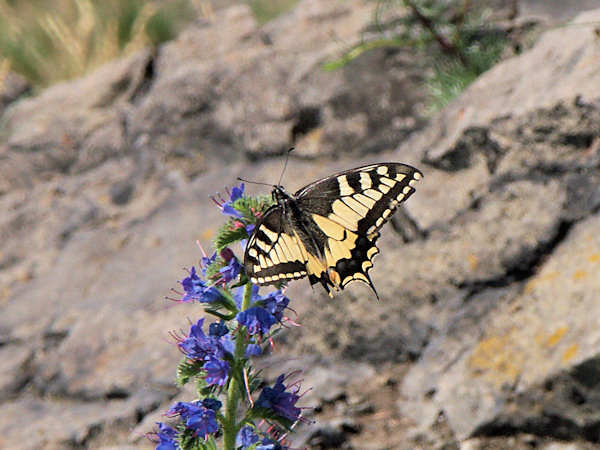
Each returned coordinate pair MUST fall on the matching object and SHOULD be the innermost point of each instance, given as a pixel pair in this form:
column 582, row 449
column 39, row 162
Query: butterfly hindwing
column 359, row 202
column 330, row 227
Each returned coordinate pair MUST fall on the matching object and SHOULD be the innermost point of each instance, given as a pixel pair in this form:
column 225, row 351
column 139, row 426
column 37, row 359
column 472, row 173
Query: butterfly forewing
column 362, row 199
column 273, row 253
column 336, row 243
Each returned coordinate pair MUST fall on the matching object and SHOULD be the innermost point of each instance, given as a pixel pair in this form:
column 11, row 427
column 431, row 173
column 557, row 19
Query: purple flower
column 180, row 409
column 166, row 437
column 196, row 416
column 238, row 296
column 256, row 319
column 207, row 261
column 231, row 270
column 246, row 437
column 268, row 444
column 217, row 371
column 279, row 401
column 203, row 421
column 212, row 403
column 224, row 346
column 199, row 346
column 196, row 289
column 227, row 207
column 218, row 329
column 253, row 350
column 275, row 302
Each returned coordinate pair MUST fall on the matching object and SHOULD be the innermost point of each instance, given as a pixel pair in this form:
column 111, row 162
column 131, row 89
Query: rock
column 12, row 87
column 56, row 424
column 120, row 193
column 42, row 141
column 521, row 85
column 327, row 437
column 525, row 355
column 492, row 350
column 555, row 10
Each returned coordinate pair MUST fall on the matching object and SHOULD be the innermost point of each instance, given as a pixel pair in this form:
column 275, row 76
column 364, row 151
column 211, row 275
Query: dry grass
column 50, row 41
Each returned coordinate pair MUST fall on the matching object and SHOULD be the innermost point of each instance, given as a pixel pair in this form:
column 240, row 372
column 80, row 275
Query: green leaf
column 250, row 206
column 188, row 441
column 228, row 235
column 186, row 370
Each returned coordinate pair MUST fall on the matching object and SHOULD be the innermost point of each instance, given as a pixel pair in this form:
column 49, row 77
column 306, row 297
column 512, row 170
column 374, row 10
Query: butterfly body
column 328, row 229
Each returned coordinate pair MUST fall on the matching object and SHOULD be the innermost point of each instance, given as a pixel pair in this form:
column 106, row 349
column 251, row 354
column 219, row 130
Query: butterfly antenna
column 254, row 182
column 285, row 165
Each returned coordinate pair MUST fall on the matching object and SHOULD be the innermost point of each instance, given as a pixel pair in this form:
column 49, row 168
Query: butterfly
column 328, row 230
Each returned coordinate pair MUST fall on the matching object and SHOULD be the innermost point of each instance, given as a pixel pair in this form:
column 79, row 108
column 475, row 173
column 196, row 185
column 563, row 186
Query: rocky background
column 487, row 334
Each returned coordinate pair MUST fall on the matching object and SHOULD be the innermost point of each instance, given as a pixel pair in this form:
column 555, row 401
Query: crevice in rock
column 406, row 227
column 524, row 266
column 473, row 141
column 273, row 153
column 307, row 119
column 200, row 108
column 546, row 425
column 566, row 407
column 52, row 339
column 147, row 79
column 117, row 394
column 92, row 432
column 578, row 140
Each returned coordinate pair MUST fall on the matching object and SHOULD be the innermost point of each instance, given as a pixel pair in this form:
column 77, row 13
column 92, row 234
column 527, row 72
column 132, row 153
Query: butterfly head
column 280, row 194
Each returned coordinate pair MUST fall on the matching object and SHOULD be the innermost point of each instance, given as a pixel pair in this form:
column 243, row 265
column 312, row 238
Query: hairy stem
column 230, row 427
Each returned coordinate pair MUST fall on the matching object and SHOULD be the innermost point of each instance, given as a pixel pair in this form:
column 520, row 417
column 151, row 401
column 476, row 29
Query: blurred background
column 118, row 119
column 47, row 42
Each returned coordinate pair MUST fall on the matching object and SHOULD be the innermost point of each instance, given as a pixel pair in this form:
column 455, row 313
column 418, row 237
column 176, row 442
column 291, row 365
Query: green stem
column 447, row 46
column 230, row 427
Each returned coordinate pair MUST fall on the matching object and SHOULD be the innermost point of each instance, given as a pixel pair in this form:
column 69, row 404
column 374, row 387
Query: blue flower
column 196, row 289
column 279, row 401
column 217, row 371
column 203, row 421
column 231, row 270
column 275, row 302
column 253, row 350
column 268, row 444
column 246, row 437
column 218, row 329
column 207, row 261
column 237, row 192
column 166, row 437
column 227, row 207
column 199, row 346
column 258, row 320
column 212, row 403
column 196, row 416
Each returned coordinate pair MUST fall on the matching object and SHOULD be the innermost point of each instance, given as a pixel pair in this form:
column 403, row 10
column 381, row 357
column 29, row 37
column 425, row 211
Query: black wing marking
column 361, row 199
column 350, row 207
column 274, row 253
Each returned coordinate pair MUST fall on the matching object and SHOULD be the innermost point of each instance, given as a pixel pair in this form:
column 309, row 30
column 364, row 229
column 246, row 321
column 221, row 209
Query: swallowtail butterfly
column 328, row 229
